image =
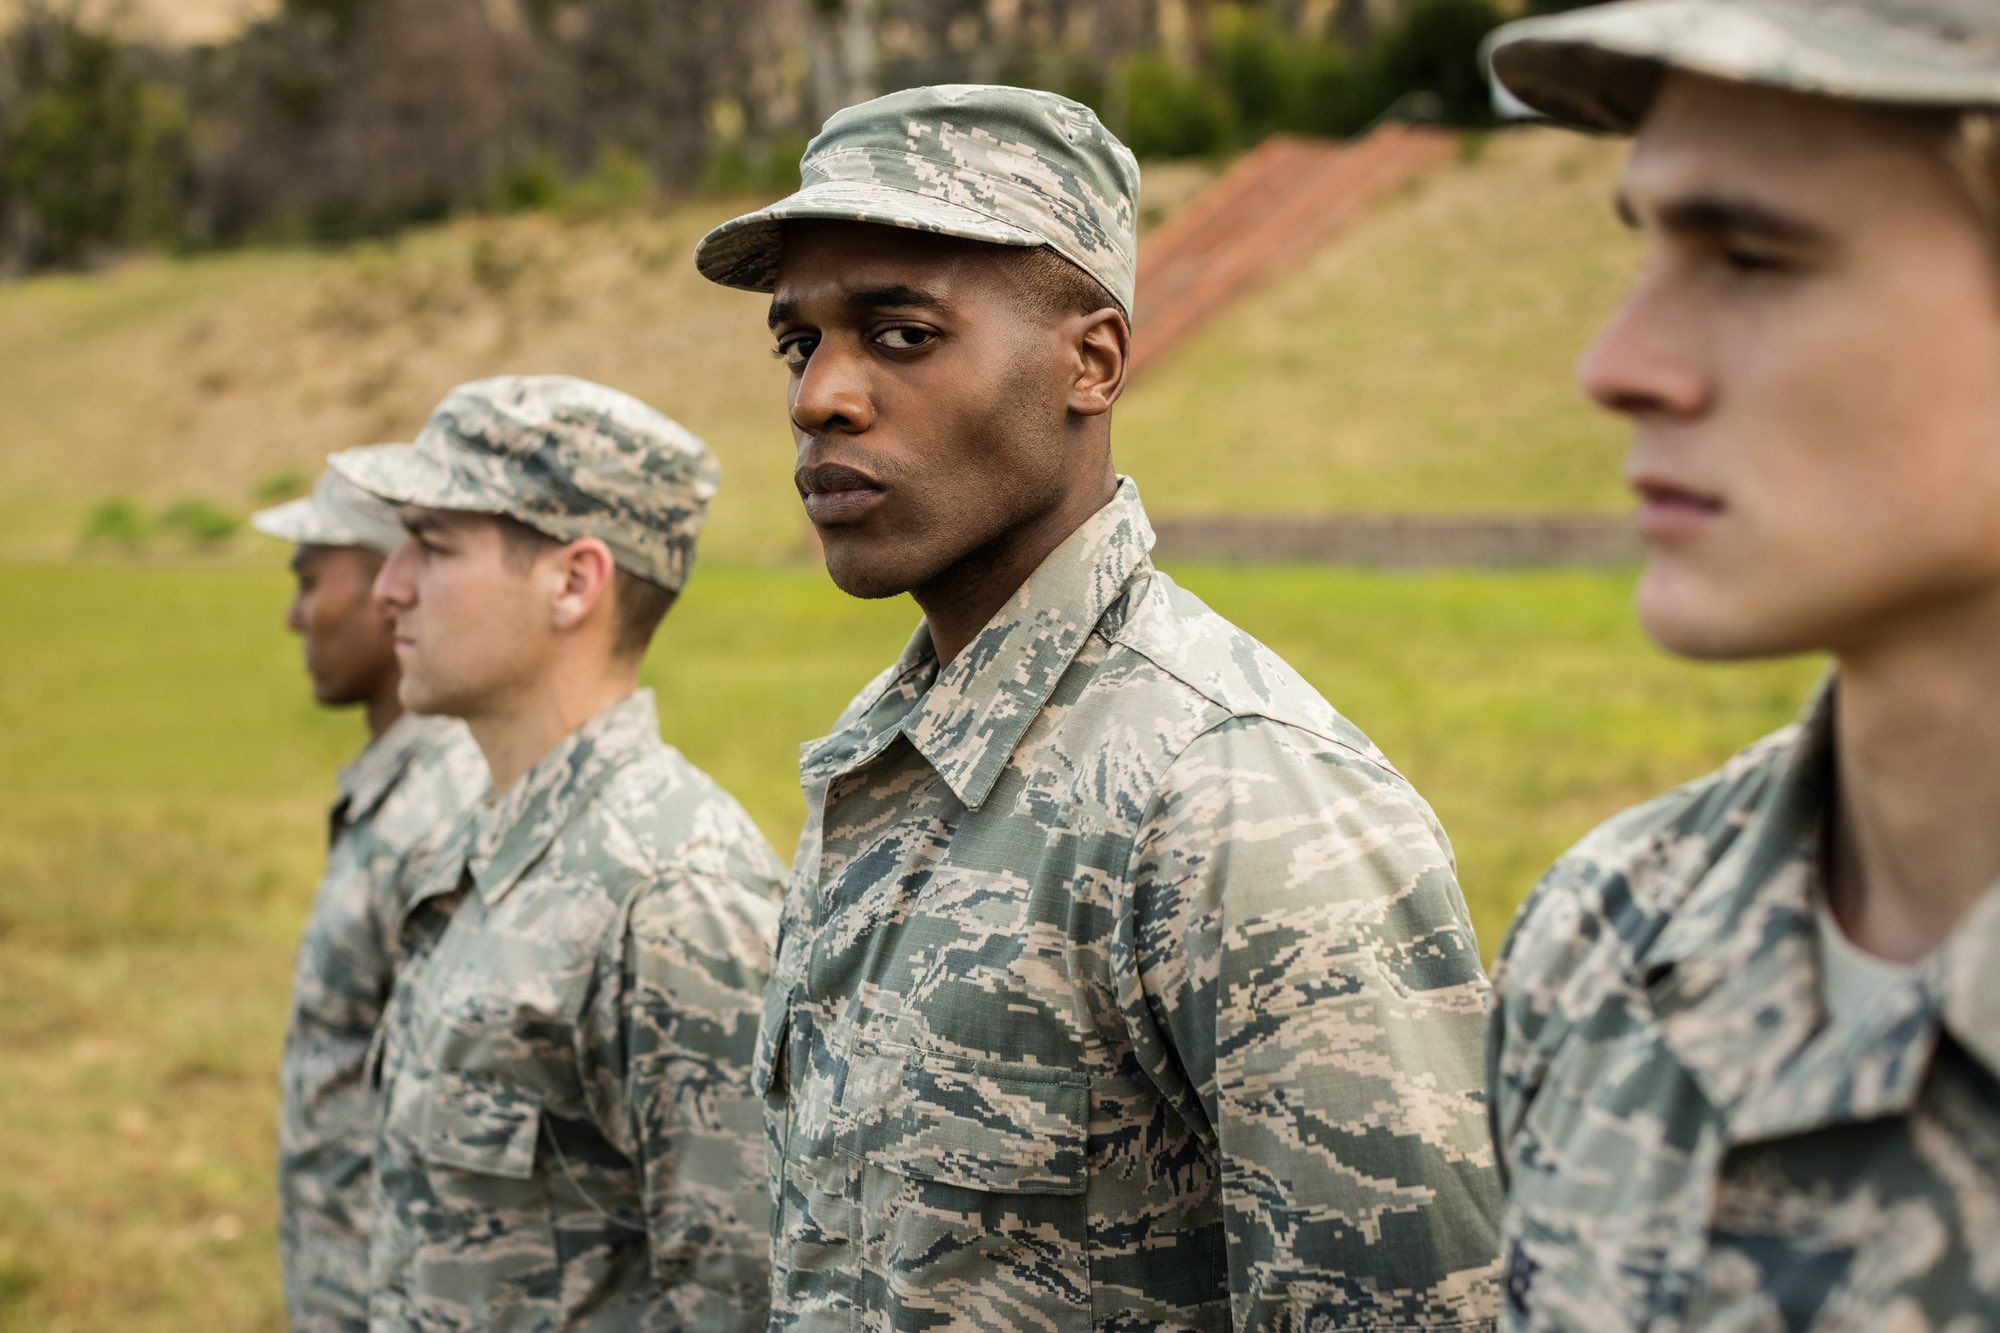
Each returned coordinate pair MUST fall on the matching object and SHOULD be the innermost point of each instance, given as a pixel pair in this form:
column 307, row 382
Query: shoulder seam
column 1232, row 713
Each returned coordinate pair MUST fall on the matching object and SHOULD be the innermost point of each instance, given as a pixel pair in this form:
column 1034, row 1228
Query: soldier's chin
column 417, row 695
column 860, row 572
column 1702, row 623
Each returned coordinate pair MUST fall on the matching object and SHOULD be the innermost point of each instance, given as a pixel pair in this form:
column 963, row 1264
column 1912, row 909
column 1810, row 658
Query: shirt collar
column 1736, row 983
column 1969, row 969
column 368, row 778
column 967, row 718
column 517, row 827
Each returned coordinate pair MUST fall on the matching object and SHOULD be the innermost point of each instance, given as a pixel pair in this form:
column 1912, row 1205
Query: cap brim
column 743, row 252
column 399, row 474
column 1599, row 68
column 303, row 523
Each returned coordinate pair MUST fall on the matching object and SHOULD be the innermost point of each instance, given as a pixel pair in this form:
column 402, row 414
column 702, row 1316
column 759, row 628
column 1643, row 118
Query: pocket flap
column 976, row 1124
column 483, row 1125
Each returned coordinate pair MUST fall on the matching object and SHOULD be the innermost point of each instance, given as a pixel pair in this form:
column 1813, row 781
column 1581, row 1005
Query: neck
column 542, row 714
column 384, row 710
column 958, row 603
column 1917, row 752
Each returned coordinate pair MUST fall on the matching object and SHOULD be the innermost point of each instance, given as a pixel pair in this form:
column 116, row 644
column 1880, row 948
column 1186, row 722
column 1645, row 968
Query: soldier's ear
column 1102, row 343
column 585, row 570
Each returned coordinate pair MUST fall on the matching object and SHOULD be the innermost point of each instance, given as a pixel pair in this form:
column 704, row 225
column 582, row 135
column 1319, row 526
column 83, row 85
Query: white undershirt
column 1854, row 979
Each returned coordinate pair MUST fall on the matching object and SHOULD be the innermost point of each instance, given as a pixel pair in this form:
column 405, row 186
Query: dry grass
column 1421, row 364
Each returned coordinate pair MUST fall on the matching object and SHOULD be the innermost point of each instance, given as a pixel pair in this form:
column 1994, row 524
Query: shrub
column 1260, row 71
column 201, row 524
column 742, row 165
column 534, row 182
column 93, row 154
column 115, row 523
column 286, row 483
column 619, row 179
column 1437, row 50
column 1172, row 111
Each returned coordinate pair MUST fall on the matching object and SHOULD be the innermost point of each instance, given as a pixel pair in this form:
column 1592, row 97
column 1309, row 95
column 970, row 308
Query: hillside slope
column 1421, row 364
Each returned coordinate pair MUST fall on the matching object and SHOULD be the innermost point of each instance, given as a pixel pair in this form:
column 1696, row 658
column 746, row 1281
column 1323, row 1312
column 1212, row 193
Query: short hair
column 637, row 605
column 1054, row 285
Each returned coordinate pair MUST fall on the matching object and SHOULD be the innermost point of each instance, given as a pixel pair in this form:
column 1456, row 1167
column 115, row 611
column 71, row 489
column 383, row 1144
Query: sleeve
column 674, row 1027
column 1552, row 935
column 1302, row 943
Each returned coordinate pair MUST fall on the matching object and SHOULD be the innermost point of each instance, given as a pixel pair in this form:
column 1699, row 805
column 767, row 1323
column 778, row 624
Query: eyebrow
column 1718, row 215
column 890, row 296
column 416, row 522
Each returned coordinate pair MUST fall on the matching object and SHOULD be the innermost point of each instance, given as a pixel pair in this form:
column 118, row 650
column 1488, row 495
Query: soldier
column 1123, row 983
column 569, row 1140
column 397, row 800
column 1745, row 1057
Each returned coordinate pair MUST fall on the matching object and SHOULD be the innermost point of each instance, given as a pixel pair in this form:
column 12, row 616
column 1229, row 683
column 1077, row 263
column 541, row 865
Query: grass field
column 1421, row 363
column 163, row 778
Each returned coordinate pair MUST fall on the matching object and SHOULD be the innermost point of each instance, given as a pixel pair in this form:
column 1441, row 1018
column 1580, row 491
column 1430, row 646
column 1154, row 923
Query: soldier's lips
column 832, row 508
column 835, row 494
column 1668, row 509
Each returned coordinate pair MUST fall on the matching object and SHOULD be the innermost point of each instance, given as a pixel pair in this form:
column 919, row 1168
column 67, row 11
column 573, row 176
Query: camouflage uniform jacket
column 1688, row 1143
column 398, row 801
column 1123, row 984
column 568, row 1138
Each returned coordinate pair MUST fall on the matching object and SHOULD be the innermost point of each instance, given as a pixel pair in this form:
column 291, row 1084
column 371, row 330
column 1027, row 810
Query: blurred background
column 236, row 235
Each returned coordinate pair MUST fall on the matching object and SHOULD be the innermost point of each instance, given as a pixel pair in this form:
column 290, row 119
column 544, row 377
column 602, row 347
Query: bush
column 93, row 155
column 285, row 484
column 1173, row 111
column 534, row 183
column 1437, row 50
column 742, row 165
column 1259, row 69
column 619, row 179
column 201, row 524
column 115, row 523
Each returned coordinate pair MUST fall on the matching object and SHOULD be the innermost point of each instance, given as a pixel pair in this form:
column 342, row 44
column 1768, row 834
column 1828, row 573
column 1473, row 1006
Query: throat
column 965, row 597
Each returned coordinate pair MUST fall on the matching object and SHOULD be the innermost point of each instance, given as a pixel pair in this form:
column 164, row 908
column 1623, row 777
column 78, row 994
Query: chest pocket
column 483, row 1126
column 486, row 1247
column 972, row 1179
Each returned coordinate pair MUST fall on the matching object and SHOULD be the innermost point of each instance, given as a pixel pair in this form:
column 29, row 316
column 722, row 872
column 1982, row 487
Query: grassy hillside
column 1420, row 364
column 163, row 779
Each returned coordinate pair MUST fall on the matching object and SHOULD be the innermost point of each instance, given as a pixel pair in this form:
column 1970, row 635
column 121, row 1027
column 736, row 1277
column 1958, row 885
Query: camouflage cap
column 337, row 513
column 1008, row 166
column 1598, row 67
column 566, row 457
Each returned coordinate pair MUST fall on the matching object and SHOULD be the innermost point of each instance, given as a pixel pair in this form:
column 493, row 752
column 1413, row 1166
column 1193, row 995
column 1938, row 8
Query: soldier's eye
column 796, row 350
column 903, row 338
column 1752, row 262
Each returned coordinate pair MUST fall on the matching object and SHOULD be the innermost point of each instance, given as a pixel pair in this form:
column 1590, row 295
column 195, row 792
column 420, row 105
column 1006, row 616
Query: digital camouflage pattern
column 1008, row 166
column 398, row 802
column 566, row 457
column 1688, row 1142
column 1599, row 67
column 337, row 513
column 1122, row 984
column 569, row 1140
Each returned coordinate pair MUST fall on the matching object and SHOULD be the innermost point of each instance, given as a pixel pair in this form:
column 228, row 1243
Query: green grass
column 163, row 777
column 1421, row 363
